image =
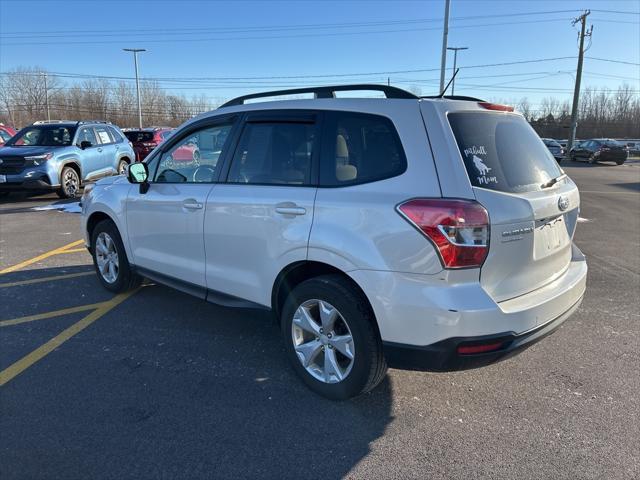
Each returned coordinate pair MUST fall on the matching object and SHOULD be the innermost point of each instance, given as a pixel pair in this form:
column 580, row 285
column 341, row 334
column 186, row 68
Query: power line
column 124, row 38
column 279, row 77
column 280, row 27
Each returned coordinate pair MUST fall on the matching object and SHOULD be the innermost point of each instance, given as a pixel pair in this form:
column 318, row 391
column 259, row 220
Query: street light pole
column 455, row 60
column 135, row 61
column 445, row 34
column 46, row 95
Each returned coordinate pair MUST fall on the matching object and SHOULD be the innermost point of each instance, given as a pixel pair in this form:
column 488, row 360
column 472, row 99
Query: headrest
column 346, row 173
column 341, row 147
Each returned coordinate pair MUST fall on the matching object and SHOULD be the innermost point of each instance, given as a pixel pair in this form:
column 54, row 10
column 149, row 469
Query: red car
column 146, row 139
column 6, row 133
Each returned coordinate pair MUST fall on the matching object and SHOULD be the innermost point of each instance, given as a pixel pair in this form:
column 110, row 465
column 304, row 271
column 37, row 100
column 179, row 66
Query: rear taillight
column 496, row 106
column 458, row 228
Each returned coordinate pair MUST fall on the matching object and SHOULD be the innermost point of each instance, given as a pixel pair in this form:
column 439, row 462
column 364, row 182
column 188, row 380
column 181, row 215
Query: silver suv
column 425, row 233
column 61, row 156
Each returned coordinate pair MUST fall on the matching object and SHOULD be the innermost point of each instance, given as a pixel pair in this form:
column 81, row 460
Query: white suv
column 425, row 233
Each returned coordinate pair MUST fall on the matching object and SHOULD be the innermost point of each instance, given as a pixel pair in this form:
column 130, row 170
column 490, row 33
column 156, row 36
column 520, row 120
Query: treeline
column 602, row 112
column 23, row 100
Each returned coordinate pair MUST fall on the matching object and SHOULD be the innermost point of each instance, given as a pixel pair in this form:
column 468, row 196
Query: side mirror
column 85, row 144
column 138, row 172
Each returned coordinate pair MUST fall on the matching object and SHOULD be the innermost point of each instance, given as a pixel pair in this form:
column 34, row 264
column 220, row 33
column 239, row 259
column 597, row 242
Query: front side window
column 87, row 135
column 43, row 136
column 274, row 153
column 4, row 135
column 359, row 148
column 194, row 159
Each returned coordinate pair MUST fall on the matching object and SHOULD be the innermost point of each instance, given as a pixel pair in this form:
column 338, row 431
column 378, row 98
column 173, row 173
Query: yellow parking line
column 46, row 279
column 76, row 250
column 25, row 362
column 55, row 313
column 33, row 260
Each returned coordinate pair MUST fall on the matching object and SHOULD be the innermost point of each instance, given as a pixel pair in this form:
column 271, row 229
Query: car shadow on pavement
column 169, row 386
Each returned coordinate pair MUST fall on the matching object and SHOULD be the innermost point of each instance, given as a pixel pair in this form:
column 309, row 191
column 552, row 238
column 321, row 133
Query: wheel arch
column 94, row 219
column 73, row 163
column 297, row 272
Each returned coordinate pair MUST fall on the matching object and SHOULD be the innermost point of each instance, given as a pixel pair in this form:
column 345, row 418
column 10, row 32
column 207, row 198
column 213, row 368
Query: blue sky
column 196, row 42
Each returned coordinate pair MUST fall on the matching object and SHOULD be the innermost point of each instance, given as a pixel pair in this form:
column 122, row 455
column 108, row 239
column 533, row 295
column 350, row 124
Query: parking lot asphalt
column 158, row 384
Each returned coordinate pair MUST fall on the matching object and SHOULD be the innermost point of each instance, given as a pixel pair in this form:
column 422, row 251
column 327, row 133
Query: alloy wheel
column 71, row 183
column 323, row 341
column 107, row 257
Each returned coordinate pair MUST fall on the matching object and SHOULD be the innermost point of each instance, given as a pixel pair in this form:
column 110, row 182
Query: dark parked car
column 146, row 139
column 600, row 150
column 555, row 148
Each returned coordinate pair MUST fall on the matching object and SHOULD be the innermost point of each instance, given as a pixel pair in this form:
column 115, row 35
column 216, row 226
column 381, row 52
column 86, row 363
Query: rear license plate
column 553, row 234
column 3, row 179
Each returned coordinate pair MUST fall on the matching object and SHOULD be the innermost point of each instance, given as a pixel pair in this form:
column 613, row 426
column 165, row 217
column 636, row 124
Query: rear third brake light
column 458, row 228
column 496, row 106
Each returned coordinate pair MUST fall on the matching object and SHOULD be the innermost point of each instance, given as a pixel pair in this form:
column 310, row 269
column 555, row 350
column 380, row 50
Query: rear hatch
column 533, row 207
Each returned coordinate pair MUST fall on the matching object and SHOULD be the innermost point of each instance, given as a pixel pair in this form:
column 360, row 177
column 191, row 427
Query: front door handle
column 192, row 205
column 291, row 210
column 99, row 149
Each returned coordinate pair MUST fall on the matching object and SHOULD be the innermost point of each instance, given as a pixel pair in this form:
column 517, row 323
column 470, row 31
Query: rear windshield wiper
column 553, row 181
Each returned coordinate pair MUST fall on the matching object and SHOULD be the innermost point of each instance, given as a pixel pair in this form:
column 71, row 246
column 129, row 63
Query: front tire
column 122, row 167
column 69, row 183
column 110, row 259
column 331, row 339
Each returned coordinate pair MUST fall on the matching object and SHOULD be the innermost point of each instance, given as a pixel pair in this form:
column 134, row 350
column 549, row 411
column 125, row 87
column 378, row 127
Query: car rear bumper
column 424, row 318
column 445, row 356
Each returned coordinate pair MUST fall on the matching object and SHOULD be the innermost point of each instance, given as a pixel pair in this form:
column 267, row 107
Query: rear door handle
column 293, row 210
column 192, row 205
column 99, row 149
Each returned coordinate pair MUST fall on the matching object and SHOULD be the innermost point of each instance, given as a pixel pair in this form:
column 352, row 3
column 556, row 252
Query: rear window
column 502, row 152
column 135, row 137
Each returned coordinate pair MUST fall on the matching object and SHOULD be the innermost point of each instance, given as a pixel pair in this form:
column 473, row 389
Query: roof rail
column 325, row 92
column 456, row 97
column 82, row 122
column 51, row 122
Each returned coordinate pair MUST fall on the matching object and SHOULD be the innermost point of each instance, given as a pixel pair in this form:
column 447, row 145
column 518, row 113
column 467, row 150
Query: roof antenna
column 450, row 81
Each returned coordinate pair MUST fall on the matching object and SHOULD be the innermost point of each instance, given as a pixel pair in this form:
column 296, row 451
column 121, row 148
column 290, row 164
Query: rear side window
column 117, row 137
column 359, row 148
column 502, row 152
column 104, row 135
column 274, row 154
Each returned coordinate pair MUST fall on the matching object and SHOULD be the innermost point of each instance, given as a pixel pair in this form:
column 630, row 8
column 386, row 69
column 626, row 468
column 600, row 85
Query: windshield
column 502, row 152
column 43, row 136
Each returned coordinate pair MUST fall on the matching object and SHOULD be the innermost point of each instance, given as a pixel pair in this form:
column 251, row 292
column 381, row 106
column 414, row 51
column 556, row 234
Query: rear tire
column 69, row 183
column 110, row 259
column 329, row 372
column 620, row 162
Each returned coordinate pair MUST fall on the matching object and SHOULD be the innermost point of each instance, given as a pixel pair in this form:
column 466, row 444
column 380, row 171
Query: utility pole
column 135, row 61
column 455, row 61
column 576, row 92
column 445, row 34
column 46, row 95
